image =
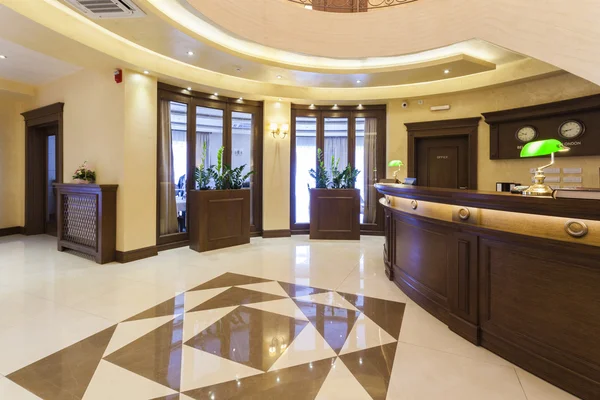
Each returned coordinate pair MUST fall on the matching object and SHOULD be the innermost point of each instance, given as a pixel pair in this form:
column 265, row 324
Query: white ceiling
column 28, row 66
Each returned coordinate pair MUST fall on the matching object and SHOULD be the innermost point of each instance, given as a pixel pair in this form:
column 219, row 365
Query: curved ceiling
column 159, row 44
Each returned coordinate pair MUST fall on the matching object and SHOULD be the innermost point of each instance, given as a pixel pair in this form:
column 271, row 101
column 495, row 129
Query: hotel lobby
column 299, row 199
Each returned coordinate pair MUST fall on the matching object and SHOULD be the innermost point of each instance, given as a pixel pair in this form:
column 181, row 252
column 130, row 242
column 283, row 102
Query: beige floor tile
column 328, row 299
column 113, row 382
column 538, row 389
column 266, row 287
column 196, row 322
column 422, row 329
column 365, row 334
column 12, row 391
column 196, row 297
column 341, row 384
column 308, row 346
column 127, row 332
column 284, row 307
column 425, row 374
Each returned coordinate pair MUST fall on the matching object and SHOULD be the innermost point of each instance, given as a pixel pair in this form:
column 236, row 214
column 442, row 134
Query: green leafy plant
column 349, row 177
column 337, row 176
column 320, row 175
column 84, row 173
column 202, row 173
column 226, row 177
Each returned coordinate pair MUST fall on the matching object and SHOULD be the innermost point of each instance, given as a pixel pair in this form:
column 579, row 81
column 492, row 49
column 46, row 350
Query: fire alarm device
column 118, row 75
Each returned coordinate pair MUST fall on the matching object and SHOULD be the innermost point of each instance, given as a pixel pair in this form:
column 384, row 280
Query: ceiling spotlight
column 279, row 99
column 216, row 94
column 238, row 69
column 189, row 89
column 335, row 106
column 308, row 6
column 278, row 76
column 358, row 81
column 241, row 99
column 360, row 106
column 2, row 56
column 146, row 72
column 190, row 53
column 446, row 71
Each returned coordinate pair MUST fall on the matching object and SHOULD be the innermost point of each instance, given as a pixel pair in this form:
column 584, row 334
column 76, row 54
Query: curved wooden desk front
column 502, row 271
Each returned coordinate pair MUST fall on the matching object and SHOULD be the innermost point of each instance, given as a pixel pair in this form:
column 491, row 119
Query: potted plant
column 83, row 174
column 334, row 202
column 219, row 207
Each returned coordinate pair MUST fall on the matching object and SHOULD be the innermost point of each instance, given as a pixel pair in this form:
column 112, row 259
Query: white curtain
column 166, row 179
column 370, row 157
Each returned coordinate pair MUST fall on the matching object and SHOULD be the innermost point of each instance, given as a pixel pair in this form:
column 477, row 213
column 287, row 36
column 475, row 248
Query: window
column 352, row 137
column 186, row 125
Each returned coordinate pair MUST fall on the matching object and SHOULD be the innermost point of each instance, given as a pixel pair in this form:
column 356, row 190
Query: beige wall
column 113, row 127
column 276, row 169
column 12, row 160
column 472, row 104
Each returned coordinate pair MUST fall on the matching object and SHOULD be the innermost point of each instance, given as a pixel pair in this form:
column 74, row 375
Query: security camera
column 405, row 104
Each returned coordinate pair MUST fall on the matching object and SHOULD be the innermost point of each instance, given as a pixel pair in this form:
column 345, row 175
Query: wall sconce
column 279, row 132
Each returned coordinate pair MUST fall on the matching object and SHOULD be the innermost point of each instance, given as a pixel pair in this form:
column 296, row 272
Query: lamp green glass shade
column 542, row 148
column 395, row 163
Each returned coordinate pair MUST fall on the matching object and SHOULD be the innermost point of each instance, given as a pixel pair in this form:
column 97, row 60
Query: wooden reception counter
column 517, row 275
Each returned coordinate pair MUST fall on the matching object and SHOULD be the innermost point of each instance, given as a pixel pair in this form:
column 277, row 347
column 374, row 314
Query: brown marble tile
column 298, row 290
column 301, row 382
column 66, row 374
column 385, row 313
column 372, row 368
column 156, row 355
column 249, row 336
column 333, row 323
column 236, row 296
column 230, row 279
column 170, row 307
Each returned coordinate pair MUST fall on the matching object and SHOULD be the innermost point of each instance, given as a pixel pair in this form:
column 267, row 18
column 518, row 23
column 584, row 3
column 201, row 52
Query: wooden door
column 443, row 162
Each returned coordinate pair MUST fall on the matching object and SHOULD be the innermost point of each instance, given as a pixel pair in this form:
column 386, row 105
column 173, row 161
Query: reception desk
column 517, row 275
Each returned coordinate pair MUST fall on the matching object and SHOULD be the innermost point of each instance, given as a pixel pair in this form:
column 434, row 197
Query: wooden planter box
column 335, row 214
column 218, row 218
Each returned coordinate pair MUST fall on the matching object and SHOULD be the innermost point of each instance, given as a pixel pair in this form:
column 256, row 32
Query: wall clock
column 571, row 129
column 526, row 134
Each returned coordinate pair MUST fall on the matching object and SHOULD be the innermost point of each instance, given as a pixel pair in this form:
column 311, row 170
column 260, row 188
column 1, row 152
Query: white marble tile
column 197, row 297
column 127, row 332
column 328, row 299
column 266, row 287
column 365, row 334
column 341, row 384
column 308, row 346
column 285, row 307
column 538, row 389
column 424, row 374
column 197, row 321
column 11, row 391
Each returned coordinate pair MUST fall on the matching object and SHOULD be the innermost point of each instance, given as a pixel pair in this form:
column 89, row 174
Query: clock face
column 526, row 134
column 571, row 129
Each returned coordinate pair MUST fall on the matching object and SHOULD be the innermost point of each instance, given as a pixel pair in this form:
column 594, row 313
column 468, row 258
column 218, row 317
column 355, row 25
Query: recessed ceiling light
column 216, row 94
column 308, row 7
column 241, row 99
column 279, row 99
column 312, row 105
column 278, row 76
column 146, row 72
column 2, row 56
column 335, row 105
column 360, row 105
column 189, row 88
column 446, row 71
column 190, row 53
column 238, row 69
column 358, row 81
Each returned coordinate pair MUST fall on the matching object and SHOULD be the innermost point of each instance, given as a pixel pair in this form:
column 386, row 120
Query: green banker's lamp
column 396, row 163
column 541, row 148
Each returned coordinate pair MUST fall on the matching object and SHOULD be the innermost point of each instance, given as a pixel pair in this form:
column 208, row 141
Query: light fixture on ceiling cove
column 146, row 72
column 190, row 53
column 216, row 94
column 189, row 89
column 446, row 71
column 2, row 56
column 358, row 81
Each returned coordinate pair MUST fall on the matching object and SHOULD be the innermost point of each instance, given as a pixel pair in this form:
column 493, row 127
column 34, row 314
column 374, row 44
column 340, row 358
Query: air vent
column 106, row 9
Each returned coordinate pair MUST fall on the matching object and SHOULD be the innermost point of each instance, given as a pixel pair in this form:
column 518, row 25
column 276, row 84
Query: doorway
column 443, row 153
column 43, row 168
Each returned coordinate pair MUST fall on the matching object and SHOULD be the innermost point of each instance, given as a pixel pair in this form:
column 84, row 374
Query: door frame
column 35, row 198
column 463, row 127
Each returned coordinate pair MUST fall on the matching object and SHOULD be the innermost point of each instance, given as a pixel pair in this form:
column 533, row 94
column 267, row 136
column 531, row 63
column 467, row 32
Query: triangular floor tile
column 201, row 369
column 230, row 279
column 113, row 382
column 127, row 332
column 304, row 380
column 285, row 307
column 193, row 299
column 372, row 368
column 308, row 346
column 176, row 396
column 196, row 322
column 341, row 384
column 365, row 334
column 235, row 296
column 385, row 313
column 184, row 397
column 66, row 373
column 173, row 306
column 266, row 287
column 156, row 355
column 333, row 323
column 294, row 290
column 329, row 299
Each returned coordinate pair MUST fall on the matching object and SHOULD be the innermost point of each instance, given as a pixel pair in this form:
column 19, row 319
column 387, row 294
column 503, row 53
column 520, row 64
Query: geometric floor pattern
column 233, row 337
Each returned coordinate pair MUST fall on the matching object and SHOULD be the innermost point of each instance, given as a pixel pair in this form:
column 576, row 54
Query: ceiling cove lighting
column 190, row 53
column 2, row 56
column 358, row 81
column 146, row 72
column 278, row 76
column 446, row 71
column 189, row 89
column 216, row 94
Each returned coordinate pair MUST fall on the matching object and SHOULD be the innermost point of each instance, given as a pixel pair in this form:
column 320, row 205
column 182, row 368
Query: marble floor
column 277, row 319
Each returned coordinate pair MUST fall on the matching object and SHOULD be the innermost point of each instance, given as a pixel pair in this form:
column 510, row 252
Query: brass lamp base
column 538, row 190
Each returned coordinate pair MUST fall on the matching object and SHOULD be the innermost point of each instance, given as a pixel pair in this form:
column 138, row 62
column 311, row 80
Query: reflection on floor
column 276, row 319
